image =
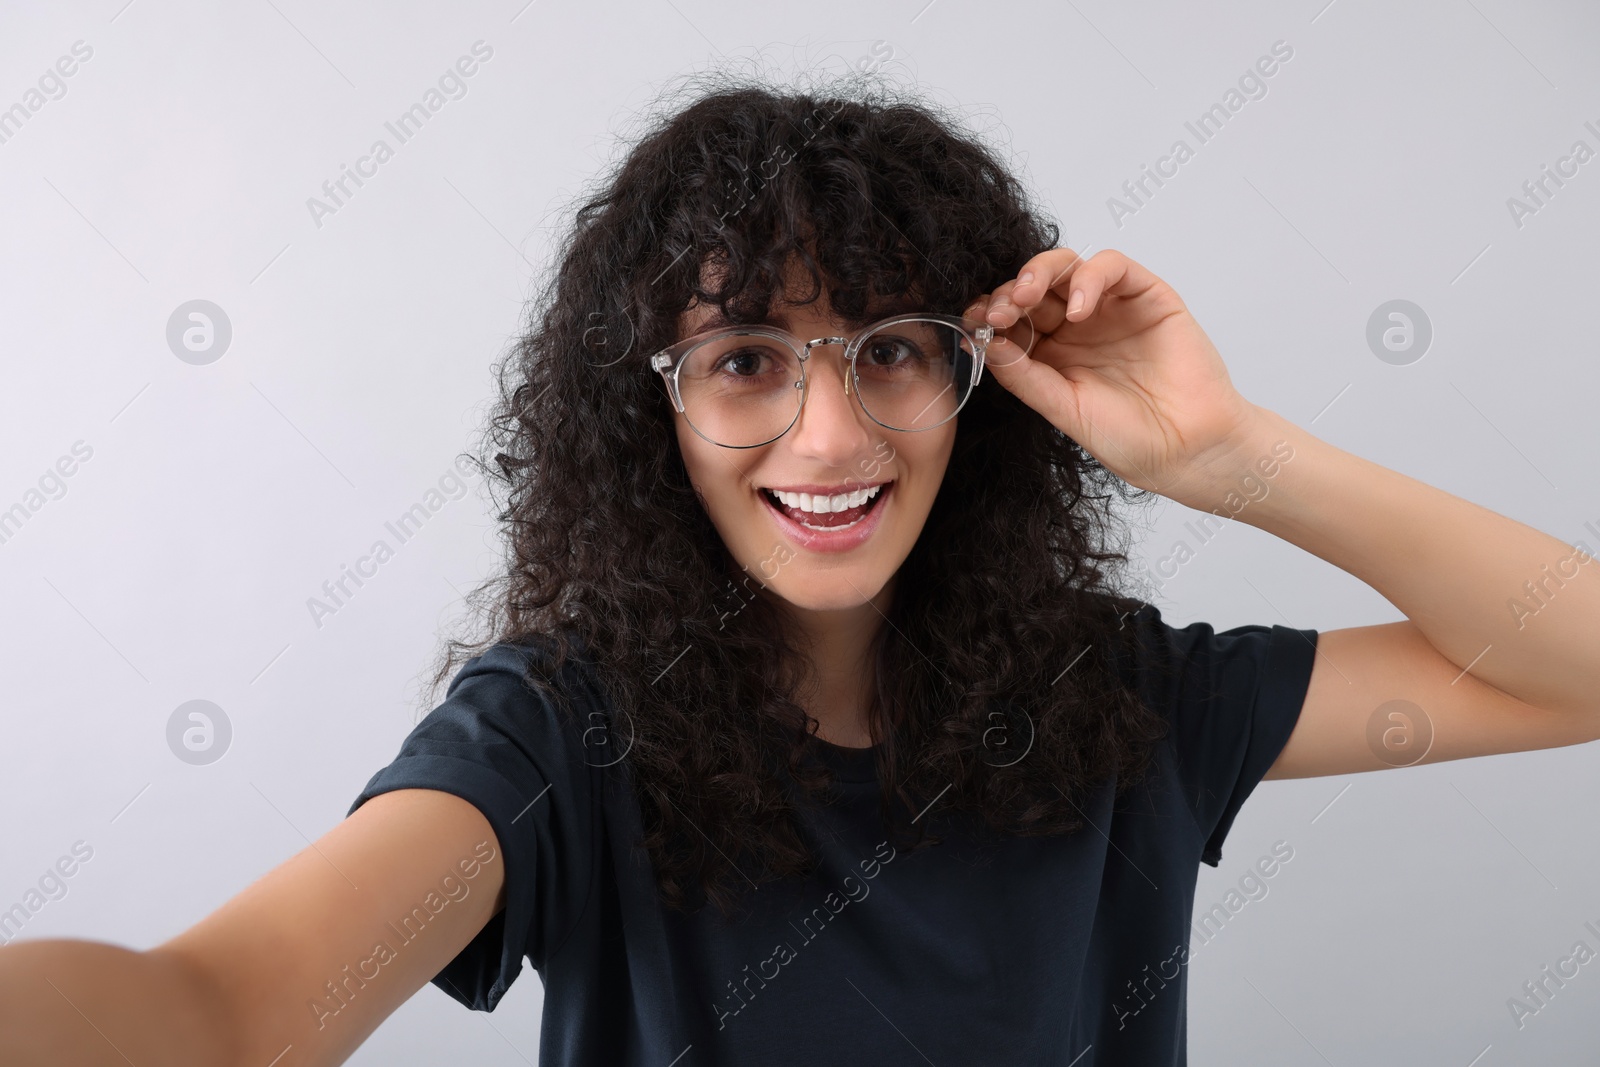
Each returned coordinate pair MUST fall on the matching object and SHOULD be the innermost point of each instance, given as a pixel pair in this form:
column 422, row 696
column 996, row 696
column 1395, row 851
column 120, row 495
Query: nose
column 832, row 427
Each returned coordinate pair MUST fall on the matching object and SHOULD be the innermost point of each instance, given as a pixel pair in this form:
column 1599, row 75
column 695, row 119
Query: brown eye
column 744, row 363
column 890, row 351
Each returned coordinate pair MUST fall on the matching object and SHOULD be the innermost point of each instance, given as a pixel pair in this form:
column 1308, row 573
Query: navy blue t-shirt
column 1065, row 950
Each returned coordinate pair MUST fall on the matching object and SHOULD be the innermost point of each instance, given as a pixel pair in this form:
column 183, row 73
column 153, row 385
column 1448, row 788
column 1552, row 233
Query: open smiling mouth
column 843, row 510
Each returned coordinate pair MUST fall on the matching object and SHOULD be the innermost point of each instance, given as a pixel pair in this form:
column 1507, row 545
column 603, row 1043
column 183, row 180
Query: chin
column 836, row 591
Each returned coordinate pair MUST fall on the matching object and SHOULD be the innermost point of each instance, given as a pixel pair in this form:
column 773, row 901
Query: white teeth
column 825, row 505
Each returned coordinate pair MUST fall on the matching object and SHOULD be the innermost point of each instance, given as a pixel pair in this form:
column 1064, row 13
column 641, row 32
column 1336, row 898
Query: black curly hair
column 1005, row 614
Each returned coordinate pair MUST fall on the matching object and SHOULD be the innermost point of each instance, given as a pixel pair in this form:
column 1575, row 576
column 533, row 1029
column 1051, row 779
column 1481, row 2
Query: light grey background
column 178, row 562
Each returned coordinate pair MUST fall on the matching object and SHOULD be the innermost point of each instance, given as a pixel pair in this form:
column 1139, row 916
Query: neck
column 842, row 680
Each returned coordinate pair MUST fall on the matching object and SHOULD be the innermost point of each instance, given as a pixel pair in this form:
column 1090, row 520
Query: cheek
column 694, row 460
column 930, row 460
column 718, row 483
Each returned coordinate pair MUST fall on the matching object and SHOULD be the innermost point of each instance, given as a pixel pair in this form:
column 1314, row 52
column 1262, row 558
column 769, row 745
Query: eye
column 742, row 362
column 739, row 363
column 886, row 351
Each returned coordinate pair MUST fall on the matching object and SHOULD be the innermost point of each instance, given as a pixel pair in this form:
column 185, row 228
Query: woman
column 812, row 723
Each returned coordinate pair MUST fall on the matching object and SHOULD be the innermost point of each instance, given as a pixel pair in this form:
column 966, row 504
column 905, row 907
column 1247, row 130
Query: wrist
column 1241, row 470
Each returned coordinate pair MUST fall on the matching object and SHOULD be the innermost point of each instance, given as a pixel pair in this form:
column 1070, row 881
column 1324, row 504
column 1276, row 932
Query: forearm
column 88, row 1003
column 1518, row 608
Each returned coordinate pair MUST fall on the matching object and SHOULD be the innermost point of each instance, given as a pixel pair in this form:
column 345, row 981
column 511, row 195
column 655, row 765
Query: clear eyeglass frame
column 670, row 360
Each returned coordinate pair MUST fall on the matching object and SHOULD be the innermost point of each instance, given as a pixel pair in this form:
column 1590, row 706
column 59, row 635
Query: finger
column 1043, row 315
column 1107, row 272
column 1020, row 326
column 1004, row 320
column 1043, row 298
column 1051, row 271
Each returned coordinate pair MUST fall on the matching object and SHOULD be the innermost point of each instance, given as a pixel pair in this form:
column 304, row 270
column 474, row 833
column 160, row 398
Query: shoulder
column 514, row 713
column 1197, row 663
column 531, row 677
column 1231, row 697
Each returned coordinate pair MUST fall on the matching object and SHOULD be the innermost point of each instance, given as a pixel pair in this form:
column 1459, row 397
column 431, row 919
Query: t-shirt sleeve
column 501, row 744
column 1232, row 699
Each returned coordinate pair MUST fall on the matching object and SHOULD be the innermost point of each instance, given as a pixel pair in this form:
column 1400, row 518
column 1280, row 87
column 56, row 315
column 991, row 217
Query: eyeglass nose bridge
column 805, row 355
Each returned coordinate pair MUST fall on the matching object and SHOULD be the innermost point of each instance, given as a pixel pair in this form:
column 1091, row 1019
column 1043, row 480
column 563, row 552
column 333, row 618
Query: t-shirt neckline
column 848, row 764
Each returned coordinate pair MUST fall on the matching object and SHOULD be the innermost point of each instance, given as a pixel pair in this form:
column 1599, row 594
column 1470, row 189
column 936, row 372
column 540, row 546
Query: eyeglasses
column 743, row 386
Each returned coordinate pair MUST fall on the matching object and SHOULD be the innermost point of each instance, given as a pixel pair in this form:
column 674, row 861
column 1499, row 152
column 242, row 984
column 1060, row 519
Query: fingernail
column 1076, row 303
column 1025, row 277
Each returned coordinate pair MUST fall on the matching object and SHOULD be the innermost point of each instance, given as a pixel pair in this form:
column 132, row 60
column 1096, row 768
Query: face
column 764, row 501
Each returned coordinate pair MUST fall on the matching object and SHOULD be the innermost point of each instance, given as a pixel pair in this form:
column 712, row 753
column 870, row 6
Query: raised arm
column 1500, row 650
column 297, row 969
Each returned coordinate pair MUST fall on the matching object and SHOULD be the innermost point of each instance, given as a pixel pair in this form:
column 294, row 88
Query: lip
column 830, row 540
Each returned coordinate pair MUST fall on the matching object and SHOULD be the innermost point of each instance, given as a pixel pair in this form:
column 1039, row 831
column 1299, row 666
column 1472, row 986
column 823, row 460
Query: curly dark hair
column 1005, row 614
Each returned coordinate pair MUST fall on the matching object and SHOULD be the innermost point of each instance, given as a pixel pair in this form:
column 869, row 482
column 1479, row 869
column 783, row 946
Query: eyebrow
column 717, row 320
